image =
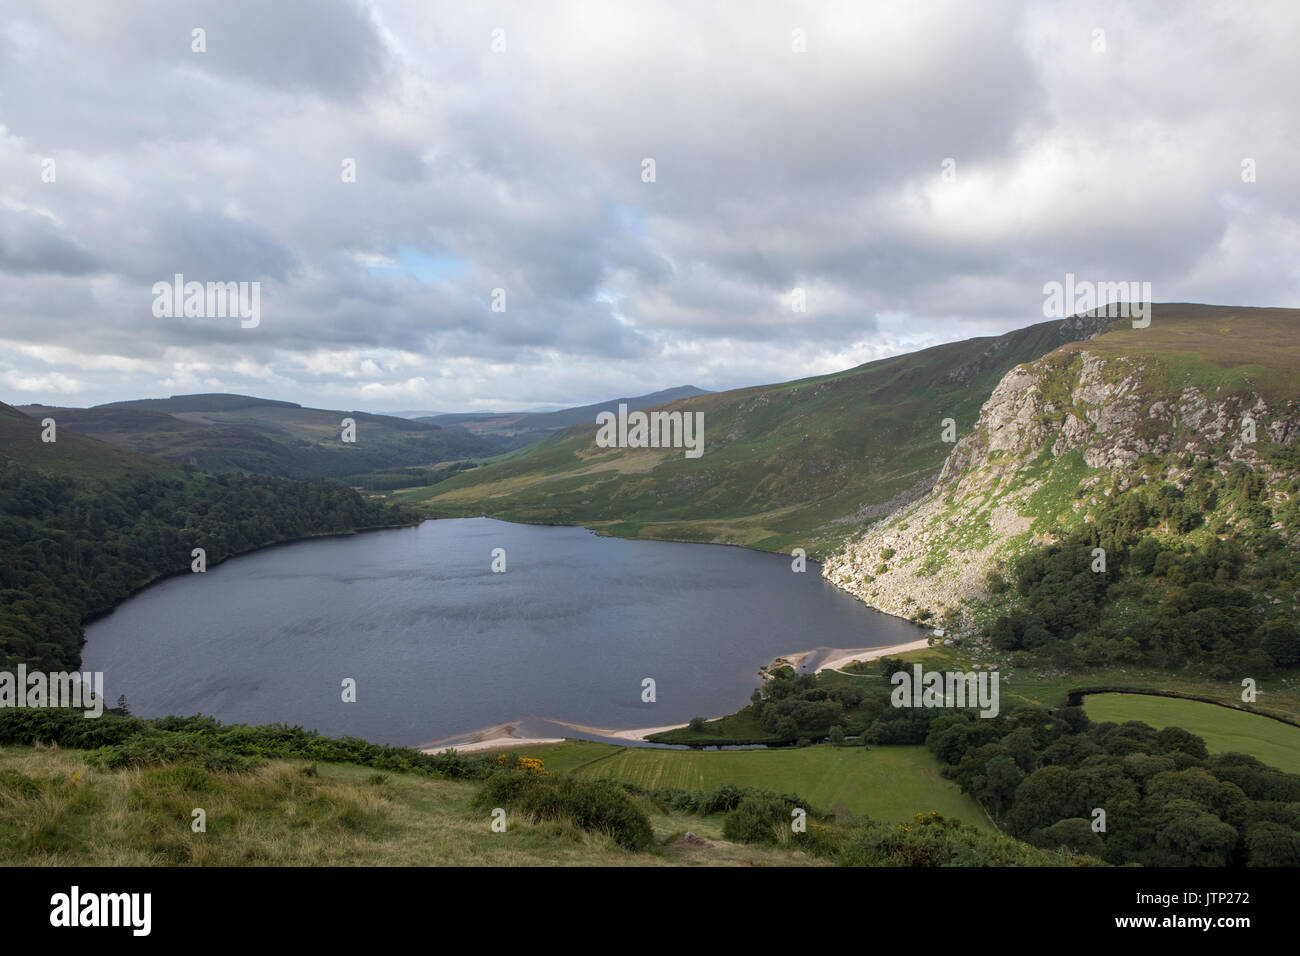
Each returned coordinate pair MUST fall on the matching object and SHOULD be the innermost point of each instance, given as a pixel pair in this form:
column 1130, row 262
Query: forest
column 1197, row 575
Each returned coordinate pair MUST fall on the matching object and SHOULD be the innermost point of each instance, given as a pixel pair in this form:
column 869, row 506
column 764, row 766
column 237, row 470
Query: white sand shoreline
column 496, row 737
column 505, row 736
column 846, row 657
column 838, row 657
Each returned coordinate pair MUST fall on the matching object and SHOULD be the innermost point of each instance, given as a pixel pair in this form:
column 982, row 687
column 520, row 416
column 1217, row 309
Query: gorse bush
column 512, row 761
column 600, row 806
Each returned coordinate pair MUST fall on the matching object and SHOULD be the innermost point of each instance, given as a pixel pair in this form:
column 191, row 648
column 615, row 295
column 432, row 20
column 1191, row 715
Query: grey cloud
column 522, row 170
column 33, row 244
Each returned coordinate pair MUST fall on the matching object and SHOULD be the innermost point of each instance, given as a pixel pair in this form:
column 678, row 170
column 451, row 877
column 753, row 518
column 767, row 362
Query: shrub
column 69, row 729
column 600, row 806
column 722, row 800
column 757, row 819
column 156, row 750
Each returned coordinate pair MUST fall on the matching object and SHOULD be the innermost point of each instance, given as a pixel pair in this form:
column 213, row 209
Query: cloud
column 521, row 170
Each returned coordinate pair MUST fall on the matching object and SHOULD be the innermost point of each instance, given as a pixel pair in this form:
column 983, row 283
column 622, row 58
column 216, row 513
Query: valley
column 1116, row 510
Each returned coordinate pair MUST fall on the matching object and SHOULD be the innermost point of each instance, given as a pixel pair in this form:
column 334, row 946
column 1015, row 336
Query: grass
column 57, row 810
column 1206, row 345
column 1224, row 730
column 890, row 784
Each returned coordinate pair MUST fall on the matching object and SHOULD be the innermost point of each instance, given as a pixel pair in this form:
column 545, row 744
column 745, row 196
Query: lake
column 439, row 645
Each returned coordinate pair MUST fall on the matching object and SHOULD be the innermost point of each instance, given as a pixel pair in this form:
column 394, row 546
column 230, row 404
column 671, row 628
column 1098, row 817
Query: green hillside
column 70, row 454
column 800, row 464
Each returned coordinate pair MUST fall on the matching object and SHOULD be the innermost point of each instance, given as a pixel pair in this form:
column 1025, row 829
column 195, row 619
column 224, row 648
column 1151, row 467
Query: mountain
column 1170, row 448
column 204, row 402
column 239, row 433
column 800, row 464
column 512, row 430
column 70, row 454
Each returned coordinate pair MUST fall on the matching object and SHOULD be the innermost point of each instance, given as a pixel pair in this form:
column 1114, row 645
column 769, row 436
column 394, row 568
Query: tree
column 787, row 729
column 1282, row 642
column 998, row 790
column 1073, row 833
column 1273, row 844
column 1188, row 836
column 1045, row 797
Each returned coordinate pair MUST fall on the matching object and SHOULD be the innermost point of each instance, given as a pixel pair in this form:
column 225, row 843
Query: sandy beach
column 500, row 737
column 837, row 658
column 637, row 734
column 505, row 736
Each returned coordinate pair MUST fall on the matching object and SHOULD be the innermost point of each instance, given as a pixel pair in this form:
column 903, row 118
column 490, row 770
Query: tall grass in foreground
column 59, row 811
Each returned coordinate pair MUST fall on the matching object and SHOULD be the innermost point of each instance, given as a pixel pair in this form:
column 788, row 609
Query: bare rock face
column 931, row 558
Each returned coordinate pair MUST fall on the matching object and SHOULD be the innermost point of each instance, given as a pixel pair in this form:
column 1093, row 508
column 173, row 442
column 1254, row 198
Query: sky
column 449, row 205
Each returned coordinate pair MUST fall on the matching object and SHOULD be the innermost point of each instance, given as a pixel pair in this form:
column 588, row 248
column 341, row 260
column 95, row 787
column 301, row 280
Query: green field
column 1223, row 729
column 890, row 784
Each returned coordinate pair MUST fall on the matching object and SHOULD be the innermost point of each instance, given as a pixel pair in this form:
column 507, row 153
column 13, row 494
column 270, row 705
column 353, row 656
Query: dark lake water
column 439, row 645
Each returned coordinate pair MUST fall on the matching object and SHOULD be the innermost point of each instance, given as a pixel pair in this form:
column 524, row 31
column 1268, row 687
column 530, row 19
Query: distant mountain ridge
column 199, row 402
column 516, row 429
column 238, row 433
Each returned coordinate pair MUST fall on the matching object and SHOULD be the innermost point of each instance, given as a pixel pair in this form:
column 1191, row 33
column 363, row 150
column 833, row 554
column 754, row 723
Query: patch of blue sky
column 629, row 218
column 421, row 265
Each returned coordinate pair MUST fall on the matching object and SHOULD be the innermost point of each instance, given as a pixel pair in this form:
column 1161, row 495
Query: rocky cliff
column 1056, row 433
